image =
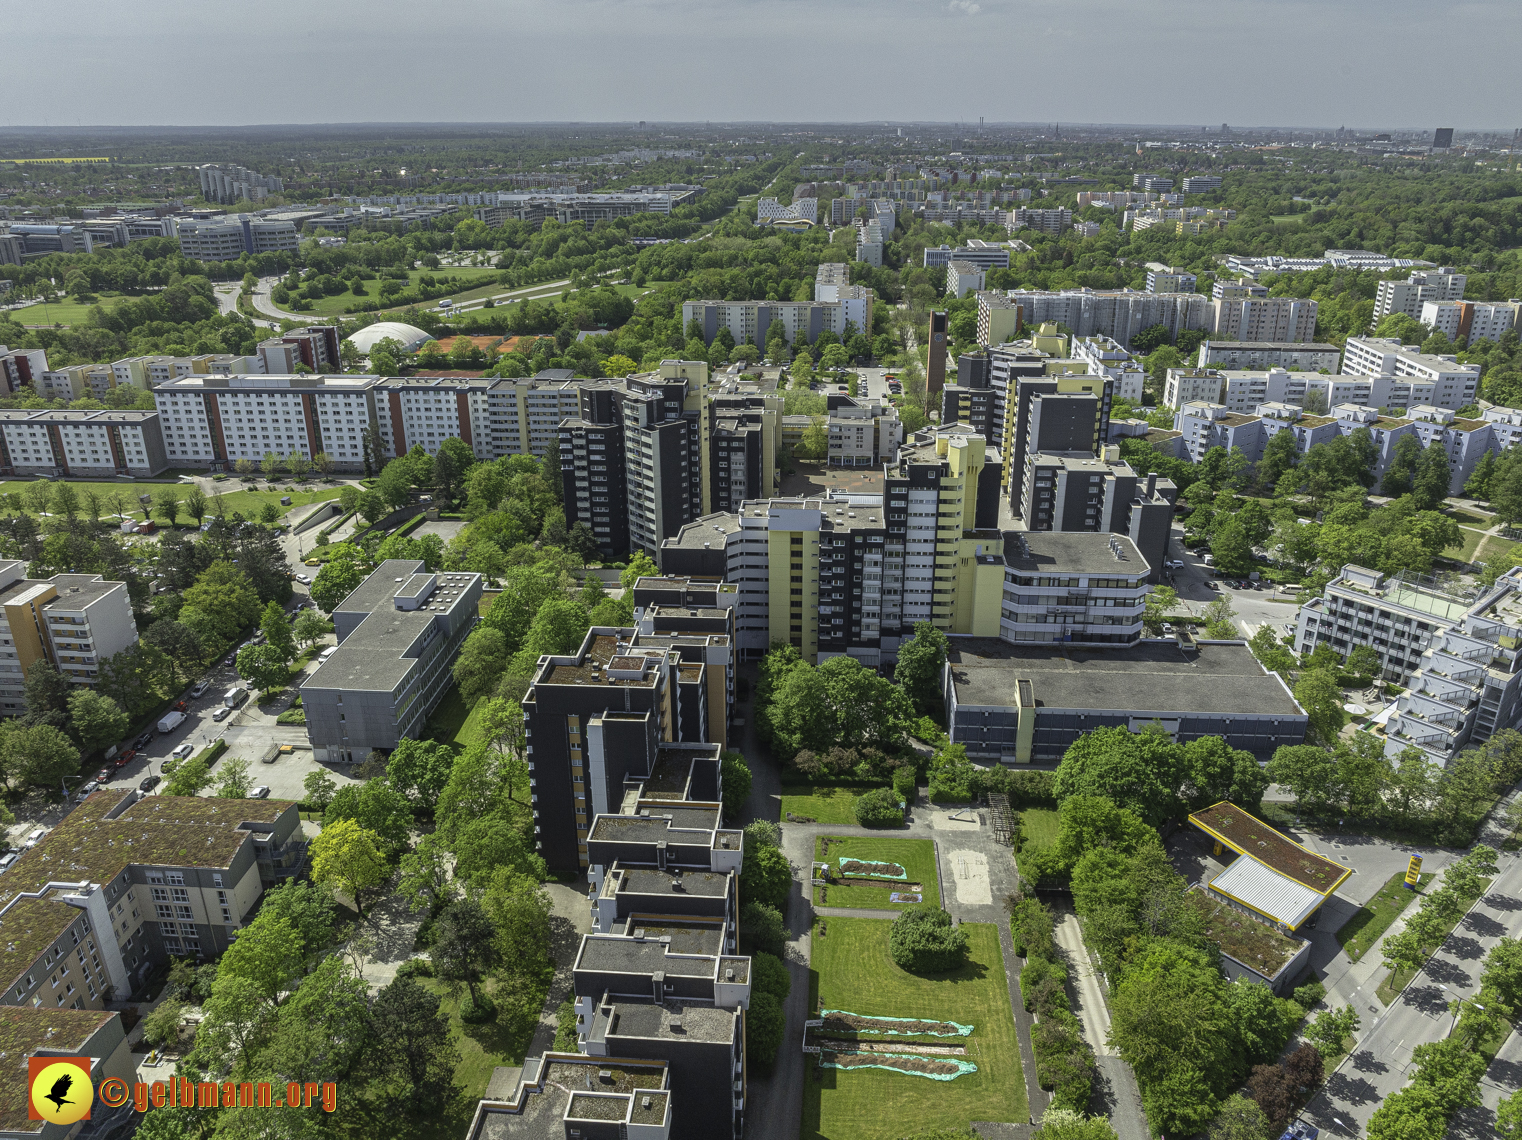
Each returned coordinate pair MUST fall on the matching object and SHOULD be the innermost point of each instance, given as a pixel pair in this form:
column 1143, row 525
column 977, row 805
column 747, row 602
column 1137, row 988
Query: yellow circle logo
column 62, row 1092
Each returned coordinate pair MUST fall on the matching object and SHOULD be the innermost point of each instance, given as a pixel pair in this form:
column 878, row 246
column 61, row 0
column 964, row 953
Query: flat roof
column 617, row 954
column 705, row 1023
column 1261, row 345
column 1073, row 552
column 710, row 530
column 1151, row 677
column 1260, row 888
column 22, row 1032
column 1247, row 835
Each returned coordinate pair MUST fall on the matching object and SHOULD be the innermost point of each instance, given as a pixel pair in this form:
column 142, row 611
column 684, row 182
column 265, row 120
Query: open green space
column 67, row 312
column 1286, row 219
column 447, row 722
column 1469, row 518
column 474, row 280
column 915, row 856
column 852, row 970
column 244, row 500
column 1040, row 826
column 1464, row 552
column 1366, row 927
column 822, row 805
column 1493, row 548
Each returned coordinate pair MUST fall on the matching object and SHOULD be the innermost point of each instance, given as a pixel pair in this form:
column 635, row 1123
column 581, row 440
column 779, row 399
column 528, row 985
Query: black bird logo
column 60, row 1091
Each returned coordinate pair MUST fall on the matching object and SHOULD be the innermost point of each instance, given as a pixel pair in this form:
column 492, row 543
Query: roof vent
column 676, row 1025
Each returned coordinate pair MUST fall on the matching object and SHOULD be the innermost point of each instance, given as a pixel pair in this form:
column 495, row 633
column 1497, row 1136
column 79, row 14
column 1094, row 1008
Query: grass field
column 1493, row 547
column 823, row 805
column 1366, row 927
column 1286, row 219
column 1040, row 826
column 474, row 277
column 63, row 312
column 1464, row 552
column 447, row 722
column 851, row 970
column 915, row 856
column 247, row 501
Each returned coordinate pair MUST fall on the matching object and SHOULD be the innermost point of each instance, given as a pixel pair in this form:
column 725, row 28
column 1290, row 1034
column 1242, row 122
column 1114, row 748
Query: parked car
column 183, row 751
column 200, row 688
column 304, row 579
column 148, row 783
column 35, row 837
column 126, row 758
column 1174, row 564
column 230, row 660
column 103, row 775
column 222, row 713
column 144, row 740
column 87, row 789
column 1211, row 586
column 260, row 793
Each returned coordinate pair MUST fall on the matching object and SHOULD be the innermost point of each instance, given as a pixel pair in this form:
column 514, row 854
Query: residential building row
column 801, row 321
column 984, row 254
column 1296, row 357
column 1408, row 296
column 233, row 183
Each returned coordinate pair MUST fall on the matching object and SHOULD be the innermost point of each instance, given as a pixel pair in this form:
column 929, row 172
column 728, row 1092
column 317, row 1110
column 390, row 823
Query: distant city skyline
column 346, row 61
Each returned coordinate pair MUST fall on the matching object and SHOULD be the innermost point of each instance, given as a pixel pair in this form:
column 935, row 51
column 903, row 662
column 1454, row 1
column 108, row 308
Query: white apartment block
column 85, row 443
column 1105, row 357
column 1052, row 221
column 1456, row 385
column 863, row 434
column 1466, row 322
column 1201, row 184
column 989, row 255
column 73, row 621
column 1458, row 655
column 230, row 238
column 803, row 210
column 1263, row 319
column 829, row 279
column 524, row 415
column 962, row 278
column 753, row 319
column 1269, row 354
column 75, row 382
column 1423, row 285
column 1119, row 315
column 998, row 318
column 427, row 410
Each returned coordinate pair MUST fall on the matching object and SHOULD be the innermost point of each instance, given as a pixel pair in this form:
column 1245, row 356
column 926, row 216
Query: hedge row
column 1064, row 1061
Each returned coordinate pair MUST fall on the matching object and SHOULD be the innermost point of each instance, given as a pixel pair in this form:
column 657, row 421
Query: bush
column 925, row 941
column 765, row 1024
column 1041, row 985
column 879, row 808
column 768, row 975
column 1309, row 994
column 565, row 1028
column 761, row 929
column 765, row 875
column 477, row 1012
column 736, row 779
column 905, row 787
column 415, row 968
column 1064, row 1063
column 1030, row 924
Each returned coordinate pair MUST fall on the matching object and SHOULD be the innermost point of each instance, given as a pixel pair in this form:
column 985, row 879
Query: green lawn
column 1372, row 920
column 471, row 724
column 1039, row 826
column 1286, row 219
column 446, row 721
column 247, row 501
column 915, row 856
column 851, row 970
column 823, row 805
column 1492, row 548
column 68, row 312
column 1464, row 552
column 473, row 277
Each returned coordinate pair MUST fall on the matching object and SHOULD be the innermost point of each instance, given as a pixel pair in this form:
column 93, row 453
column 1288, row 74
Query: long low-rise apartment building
column 1241, row 391
column 1457, row 385
column 850, row 313
column 1291, row 355
column 1117, row 314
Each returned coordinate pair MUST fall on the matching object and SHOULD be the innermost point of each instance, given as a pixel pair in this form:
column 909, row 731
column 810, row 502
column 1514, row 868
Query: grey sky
column 1247, row 62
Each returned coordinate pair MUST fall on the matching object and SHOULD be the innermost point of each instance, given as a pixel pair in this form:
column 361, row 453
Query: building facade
column 1269, row 354
column 102, row 444
column 1263, row 319
column 72, row 621
column 1423, row 285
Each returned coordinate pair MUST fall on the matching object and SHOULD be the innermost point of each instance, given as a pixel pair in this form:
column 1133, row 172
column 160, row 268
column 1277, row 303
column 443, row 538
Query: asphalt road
column 1254, row 608
column 1378, row 1065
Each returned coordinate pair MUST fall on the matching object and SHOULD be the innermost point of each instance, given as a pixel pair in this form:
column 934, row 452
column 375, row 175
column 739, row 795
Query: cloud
column 967, row 7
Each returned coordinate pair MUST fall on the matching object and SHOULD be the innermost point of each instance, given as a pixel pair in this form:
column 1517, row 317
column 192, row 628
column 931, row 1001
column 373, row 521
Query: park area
column 121, row 497
column 947, row 1076
column 868, row 872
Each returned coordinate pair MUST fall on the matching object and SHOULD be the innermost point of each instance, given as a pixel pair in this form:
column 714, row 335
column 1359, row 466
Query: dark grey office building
column 398, row 635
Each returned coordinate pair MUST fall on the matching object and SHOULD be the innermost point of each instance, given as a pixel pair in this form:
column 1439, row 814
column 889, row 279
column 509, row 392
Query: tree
column 1239, row 1118
column 269, row 513
column 276, row 627
column 195, row 503
column 920, row 662
column 269, row 464
column 1141, row 771
column 1306, row 770
column 225, row 596
column 1232, row 550
column 734, row 775
column 1321, row 698
column 481, row 662
column 465, row 948
column 1363, row 661
column 267, row 954
column 376, row 806
column 1509, row 1116
column 340, row 576
column 1477, row 486
column 168, row 503
column 41, row 754
column 1271, row 651
column 97, row 720
column 923, row 940
column 1216, row 772
column 263, row 666
column 310, row 628
column 419, row 1049
column 1331, row 1029
column 1280, row 457
column 640, row 566
column 319, row 787
column 1159, row 603
column 189, row 777
column 162, row 1026
column 878, row 807
column 66, row 500
column 766, row 876
column 233, row 781
column 347, row 857
column 1429, row 487
column 47, row 693
column 419, row 769
column 1400, row 474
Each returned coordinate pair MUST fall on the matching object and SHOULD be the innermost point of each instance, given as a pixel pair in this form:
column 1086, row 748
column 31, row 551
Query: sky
column 1314, row 63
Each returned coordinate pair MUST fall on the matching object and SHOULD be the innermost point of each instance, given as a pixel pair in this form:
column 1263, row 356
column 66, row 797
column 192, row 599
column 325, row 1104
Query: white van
column 235, row 696
column 326, row 653
column 35, row 838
